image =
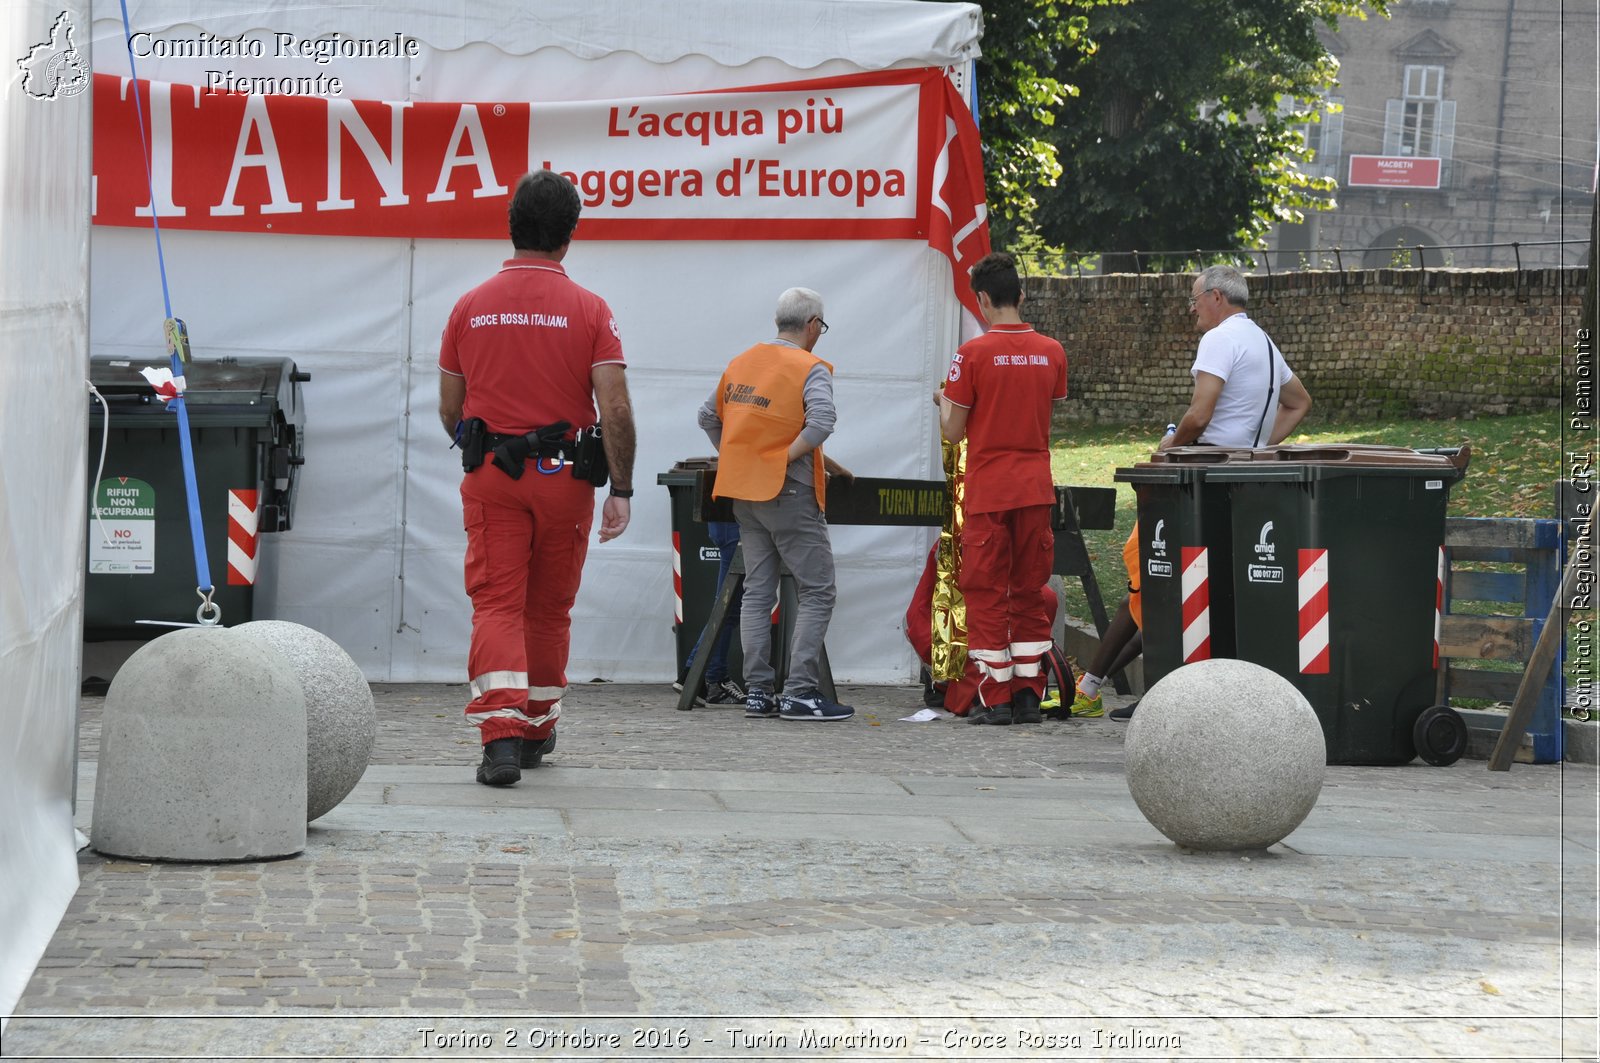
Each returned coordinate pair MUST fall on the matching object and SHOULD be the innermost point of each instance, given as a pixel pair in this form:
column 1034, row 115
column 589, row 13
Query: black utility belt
column 565, row 449
column 585, row 452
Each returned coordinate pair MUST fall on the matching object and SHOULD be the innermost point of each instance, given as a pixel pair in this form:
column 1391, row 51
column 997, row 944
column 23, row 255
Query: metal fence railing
column 1291, row 260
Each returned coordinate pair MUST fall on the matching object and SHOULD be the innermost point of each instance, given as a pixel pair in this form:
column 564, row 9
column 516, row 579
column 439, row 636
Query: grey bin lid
column 686, row 472
column 1189, row 464
column 1295, row 462
column 1304, row 462
column 217, row 392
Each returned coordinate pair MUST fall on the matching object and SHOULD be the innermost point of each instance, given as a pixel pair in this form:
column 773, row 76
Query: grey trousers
column 789, row 528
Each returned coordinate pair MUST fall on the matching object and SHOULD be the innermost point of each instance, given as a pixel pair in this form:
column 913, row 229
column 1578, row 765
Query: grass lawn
column 1515, row 463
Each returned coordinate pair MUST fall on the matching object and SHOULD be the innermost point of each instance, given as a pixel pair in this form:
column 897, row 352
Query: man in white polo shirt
column 1245, row 394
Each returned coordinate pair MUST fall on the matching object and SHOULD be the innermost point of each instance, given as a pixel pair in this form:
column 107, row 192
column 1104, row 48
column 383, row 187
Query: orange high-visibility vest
column 761, row 403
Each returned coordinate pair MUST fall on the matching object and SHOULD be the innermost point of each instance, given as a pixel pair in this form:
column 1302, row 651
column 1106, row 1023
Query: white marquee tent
column 44, row 216
column 357, row 290
column 374, row 557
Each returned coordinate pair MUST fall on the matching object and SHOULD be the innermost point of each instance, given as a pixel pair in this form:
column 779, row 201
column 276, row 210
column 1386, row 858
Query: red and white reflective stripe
column 244, row 522
column 1314, row 612
column 1027, row 658
column 478, row 719
column 504, row 680
column 551, row 714
column 677, row 577
column 992, row 664
column 1194, row 584
column 1438, row 607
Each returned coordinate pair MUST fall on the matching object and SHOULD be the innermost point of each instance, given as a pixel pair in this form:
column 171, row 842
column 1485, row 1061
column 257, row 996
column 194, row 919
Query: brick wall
column 1366, row 343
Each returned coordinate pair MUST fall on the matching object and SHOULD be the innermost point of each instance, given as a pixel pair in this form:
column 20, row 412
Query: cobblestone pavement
column 699, row 886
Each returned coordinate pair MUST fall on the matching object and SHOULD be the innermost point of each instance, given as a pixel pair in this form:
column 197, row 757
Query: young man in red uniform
column 998, row 396
column 525, row 352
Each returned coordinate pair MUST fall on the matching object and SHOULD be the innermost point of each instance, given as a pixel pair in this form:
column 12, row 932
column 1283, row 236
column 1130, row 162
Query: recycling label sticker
column 123, row 539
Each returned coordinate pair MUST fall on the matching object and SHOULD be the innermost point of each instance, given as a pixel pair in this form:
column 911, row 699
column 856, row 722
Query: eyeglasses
column 823, row 331
column 1193, row 299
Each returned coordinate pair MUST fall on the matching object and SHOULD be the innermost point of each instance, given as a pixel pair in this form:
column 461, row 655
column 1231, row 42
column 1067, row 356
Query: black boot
column 997, row 715
column 533, row 752
column 500, row 766
column 1025, row 706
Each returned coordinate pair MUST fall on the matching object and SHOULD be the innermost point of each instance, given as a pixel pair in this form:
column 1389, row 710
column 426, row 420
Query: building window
column 1421, row 123
column 1419, row 127
column 1324, row 136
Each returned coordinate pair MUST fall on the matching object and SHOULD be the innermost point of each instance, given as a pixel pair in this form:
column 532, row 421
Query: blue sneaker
column 758, row 705
column 812, row 706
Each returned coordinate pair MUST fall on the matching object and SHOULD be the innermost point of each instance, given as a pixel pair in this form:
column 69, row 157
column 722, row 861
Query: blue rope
column 202, row 564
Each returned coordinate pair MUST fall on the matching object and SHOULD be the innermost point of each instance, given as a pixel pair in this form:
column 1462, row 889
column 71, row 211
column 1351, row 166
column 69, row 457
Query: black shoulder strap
column 1272, row 385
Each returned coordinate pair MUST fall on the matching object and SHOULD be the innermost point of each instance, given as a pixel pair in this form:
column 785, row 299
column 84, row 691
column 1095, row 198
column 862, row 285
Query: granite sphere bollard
column 202, row 752
column 341, row 718
column 1225, row 755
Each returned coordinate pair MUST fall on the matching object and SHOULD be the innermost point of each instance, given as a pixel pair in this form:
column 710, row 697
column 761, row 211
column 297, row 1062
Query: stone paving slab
column 1437, row 846
column 842, row 827
column 869, row 890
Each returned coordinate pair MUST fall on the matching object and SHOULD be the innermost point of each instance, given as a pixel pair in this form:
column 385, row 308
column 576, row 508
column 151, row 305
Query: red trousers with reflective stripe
column 1005, row 559
column 526, row 541
column 959, row 695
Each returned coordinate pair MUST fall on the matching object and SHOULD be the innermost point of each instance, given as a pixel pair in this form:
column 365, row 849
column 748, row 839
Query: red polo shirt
column 526, row 340
column 1008, row 378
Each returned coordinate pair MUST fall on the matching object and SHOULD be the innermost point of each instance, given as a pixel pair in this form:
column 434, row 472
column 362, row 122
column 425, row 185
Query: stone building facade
column 1502, row 93
column 1367, row 343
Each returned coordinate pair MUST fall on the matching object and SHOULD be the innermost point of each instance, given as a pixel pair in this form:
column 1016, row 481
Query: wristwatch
column 617, row 492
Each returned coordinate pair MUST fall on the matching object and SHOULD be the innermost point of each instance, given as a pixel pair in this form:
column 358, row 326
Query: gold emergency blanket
column 949, row 651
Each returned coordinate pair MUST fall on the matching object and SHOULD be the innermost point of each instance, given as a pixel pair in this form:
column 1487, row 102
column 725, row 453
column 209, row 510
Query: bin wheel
column 1440, row 735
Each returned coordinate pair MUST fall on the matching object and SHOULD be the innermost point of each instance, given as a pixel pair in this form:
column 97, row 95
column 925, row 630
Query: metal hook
column 1519, row 293
column 1338, row 261
column 1422, row 275
column 210, row 613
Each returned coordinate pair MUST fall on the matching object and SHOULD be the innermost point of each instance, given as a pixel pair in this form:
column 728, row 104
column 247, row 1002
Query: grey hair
column 796, row 307
column 1227, row 280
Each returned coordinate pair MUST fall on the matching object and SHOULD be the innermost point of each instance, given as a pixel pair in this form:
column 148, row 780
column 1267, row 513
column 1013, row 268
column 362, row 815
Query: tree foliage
column 1175, row 122
column 1026, row 43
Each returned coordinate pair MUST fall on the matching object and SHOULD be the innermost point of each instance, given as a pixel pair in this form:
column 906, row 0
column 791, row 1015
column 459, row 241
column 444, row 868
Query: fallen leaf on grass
column 513, row 849
column 1489, row 988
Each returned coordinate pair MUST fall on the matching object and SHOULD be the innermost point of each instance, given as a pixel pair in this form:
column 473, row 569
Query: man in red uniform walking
column 525, row 359
column 999, row 396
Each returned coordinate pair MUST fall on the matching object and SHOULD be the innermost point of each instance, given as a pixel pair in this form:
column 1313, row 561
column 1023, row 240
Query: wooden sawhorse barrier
column 900, row 503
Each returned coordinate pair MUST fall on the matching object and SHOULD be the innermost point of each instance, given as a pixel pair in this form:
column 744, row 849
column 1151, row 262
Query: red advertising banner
column 890, row 155
column 1389, row 171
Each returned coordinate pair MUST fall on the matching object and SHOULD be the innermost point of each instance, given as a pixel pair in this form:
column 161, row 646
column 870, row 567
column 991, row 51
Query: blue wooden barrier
column 1535, row 545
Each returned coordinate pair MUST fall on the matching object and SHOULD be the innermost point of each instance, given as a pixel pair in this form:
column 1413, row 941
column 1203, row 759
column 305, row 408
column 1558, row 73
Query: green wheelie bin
column 1338, row 555
column 1185, row 556
column 248, row 422
column 696, row 560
